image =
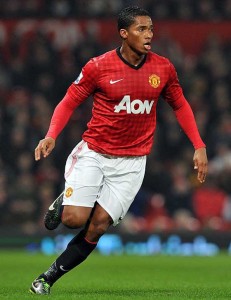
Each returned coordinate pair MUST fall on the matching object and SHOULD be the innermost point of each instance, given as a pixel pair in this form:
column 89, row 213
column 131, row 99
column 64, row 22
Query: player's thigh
column 84, row 179
column 122, row 182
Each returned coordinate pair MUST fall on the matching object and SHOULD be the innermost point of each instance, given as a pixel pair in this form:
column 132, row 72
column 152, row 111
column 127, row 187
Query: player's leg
column 98, row 225
column 42, row 284
column 107, row 210
column 83, row 179
column 76, row 252
column 75, row 216
column 71, row 216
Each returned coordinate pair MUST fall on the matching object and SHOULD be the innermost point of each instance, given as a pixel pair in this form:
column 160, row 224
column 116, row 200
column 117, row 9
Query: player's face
column 139, row 35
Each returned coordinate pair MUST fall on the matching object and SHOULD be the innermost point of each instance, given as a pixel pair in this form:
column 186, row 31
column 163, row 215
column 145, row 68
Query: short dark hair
column 126, row 17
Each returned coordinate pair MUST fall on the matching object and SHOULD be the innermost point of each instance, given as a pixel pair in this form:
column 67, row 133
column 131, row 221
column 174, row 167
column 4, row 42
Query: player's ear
column 123, row 33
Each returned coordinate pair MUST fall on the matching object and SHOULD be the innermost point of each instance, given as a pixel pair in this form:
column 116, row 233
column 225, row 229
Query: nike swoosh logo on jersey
column 115, row 81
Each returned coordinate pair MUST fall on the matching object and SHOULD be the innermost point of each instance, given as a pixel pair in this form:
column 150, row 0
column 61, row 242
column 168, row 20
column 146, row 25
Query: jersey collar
column 127, row 63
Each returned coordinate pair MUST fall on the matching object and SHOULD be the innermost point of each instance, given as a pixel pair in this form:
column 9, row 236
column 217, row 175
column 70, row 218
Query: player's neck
column 131, row 56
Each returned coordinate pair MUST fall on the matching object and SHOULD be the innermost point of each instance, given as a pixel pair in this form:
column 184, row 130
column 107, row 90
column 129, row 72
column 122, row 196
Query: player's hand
column 201, row 164
column 44, row 148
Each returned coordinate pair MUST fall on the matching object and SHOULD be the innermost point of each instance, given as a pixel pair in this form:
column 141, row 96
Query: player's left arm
column 185, row 117
column 187, row 122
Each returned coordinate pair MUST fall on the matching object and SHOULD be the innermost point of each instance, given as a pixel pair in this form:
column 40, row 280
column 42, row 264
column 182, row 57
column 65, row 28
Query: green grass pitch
column 120, row 277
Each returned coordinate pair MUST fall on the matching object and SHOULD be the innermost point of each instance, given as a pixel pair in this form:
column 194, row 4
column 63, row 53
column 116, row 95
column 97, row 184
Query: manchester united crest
column 69, row 192
column 154, row 81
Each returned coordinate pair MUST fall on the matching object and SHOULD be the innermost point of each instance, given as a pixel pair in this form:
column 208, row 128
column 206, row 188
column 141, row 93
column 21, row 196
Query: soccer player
column 105, row 170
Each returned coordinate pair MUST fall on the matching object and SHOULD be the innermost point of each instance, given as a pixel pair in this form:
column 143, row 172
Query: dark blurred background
column 44, row 44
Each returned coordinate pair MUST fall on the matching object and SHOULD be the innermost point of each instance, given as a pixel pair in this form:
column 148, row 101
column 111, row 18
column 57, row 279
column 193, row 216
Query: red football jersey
column 125, row 98
column 124, row 108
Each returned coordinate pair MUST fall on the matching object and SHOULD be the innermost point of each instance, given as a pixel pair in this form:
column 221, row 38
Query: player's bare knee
column 95, row 233
column 97, row 228
column 72, row 220
column 75, row 217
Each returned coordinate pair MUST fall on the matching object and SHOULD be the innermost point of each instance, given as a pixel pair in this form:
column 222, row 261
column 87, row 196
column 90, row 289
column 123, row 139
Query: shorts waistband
column 109, row 156
column 115, row 156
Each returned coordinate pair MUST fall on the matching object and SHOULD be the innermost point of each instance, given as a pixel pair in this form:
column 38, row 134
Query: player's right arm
column 84, row 85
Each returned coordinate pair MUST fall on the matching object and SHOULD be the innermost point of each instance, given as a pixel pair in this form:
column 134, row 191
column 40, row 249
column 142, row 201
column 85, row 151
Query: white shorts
column 111, row 181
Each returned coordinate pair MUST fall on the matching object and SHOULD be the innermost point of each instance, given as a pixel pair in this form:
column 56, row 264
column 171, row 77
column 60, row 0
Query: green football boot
column 40, row 286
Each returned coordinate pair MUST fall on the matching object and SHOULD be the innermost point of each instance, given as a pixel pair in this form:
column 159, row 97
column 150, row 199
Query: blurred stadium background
column 43, row 45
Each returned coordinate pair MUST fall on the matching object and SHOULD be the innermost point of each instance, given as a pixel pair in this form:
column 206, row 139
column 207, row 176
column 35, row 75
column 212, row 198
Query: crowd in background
column 32, row 84
column 169, row 9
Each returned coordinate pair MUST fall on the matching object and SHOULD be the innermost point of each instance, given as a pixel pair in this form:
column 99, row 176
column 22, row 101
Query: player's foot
column 40, row 286
column 52, row 218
